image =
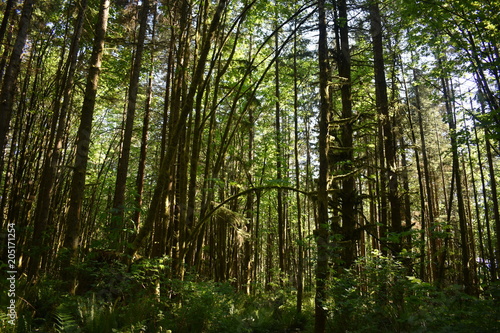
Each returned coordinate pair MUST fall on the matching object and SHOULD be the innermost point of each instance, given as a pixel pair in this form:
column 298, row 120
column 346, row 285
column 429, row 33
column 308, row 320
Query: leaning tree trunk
column 73, row 220
column 160, row 192
column 51, row 162
column 10, row 78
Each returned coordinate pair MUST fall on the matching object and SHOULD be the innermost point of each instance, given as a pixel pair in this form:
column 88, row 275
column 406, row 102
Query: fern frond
column 65, row 321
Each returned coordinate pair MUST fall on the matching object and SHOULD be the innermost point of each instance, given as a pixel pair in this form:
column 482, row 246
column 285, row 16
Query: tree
column 10, row 77
column 226, row 170
column 160, row 190
column 322, row 233
column 382, row 103
column 53, row 158
column 345, row 156
column 73, row 219
column 123, row 162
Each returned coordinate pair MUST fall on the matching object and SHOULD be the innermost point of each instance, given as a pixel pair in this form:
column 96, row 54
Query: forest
column 194, row 166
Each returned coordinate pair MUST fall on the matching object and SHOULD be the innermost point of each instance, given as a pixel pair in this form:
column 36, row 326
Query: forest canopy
column 249, row 166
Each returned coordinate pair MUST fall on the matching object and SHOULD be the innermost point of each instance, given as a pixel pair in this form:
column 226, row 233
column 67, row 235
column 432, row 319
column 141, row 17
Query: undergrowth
column 374, row 296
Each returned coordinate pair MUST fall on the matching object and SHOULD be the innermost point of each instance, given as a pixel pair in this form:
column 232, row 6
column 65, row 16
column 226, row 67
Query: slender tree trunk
column 73, row 220
column 407, row 240
column 300, row 255
column 383, row 109
column 470, row 228
column 279, row 160
column 249, row 245
column 51, row 162
column 423, row 223
column 491, row 253
column 466, row 272
column 321, row 232
column 428, row 181
column 160, row 192
column 494, row 198
column 480, row 229
column 257, row 235
column 346, row 155
column 123, row 162
column 139, row 183
column 493, row 104
column 5, row 21
column 193, row 168
column 10, row 78
column 162, row 235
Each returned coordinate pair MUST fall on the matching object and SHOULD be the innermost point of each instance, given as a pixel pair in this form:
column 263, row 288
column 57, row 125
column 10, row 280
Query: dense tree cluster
column 271, row 145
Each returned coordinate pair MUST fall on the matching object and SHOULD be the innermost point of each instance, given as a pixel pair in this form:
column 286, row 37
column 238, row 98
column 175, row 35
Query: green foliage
column 178, row 306
column 64, row 321
column 376, row 296
column 217, row 307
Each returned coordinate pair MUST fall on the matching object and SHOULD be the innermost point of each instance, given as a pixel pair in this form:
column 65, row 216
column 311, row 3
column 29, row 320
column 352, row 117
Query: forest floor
column 118, row 300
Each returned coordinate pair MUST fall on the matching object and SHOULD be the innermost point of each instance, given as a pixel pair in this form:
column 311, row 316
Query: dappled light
column 249, row 166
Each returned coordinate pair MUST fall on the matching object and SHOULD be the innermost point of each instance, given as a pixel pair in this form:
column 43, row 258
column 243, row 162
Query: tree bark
column 383, row 109
column 494, row 198
column 51, row 162
column 464, row 239
column 279, row 158
column 300, row 254
column 322, row 230
column 73, row 220
column 118, row 217
column 10, row 78
column 159, row 193
column 346, row 154
column 428, row 181
column 491, row 252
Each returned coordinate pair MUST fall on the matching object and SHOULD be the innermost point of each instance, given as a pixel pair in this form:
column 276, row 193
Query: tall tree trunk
column 465, row 253
column 5, row 21
column 493, row 104
column 423, row 224
column 300, row 254
column 383, row 109
column 494, row 198
column 139, row 183
column 73, row 220
column 491, row 253
column 428, row 181
column 346, row 155
column 480, row 229
column 51, row 162
column 160, row 192
column 322, row 231
column 249, row 245
column 279, row 158
column 10, row 78
column 123, row 162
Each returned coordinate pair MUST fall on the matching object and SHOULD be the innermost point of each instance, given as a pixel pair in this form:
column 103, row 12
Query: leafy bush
column 376, row 296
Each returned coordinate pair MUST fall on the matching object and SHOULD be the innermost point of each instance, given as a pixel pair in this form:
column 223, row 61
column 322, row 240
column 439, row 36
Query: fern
column 65, row 321
column 96, row 316
column 4, row 325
